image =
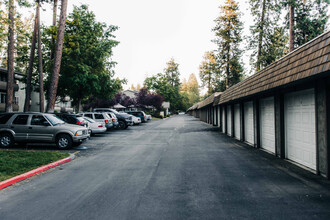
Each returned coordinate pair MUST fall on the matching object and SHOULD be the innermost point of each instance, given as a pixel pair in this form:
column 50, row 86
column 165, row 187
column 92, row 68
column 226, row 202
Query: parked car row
column 63, row 129
column 39, row 127
column 140, row 114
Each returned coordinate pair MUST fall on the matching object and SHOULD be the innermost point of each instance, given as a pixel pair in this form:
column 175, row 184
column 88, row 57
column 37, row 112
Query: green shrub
column 156, row 115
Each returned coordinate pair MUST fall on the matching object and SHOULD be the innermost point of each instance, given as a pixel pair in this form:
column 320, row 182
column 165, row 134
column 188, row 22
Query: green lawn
column 15, row 162
column 156, row 119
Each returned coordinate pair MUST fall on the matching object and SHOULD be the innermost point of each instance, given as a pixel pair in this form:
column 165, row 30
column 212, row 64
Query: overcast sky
column 151, row 32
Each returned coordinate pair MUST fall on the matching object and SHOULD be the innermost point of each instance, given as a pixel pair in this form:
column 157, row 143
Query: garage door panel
column 237, row 121
column 267, row 124
column 248, row 122
column 223, row 120
column 219, row 115
column 229, row 120
column 215, row 111
column 300, row 127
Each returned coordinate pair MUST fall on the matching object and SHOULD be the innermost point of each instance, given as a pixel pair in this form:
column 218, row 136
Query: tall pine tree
column 190, row 91
column 228, row 31
column 267, row 40
column 209, row 73
column 172, row 73
column 306, row 19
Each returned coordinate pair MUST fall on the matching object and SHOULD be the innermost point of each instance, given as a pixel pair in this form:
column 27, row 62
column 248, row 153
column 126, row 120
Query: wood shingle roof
column 306, row 61
column 209, row 100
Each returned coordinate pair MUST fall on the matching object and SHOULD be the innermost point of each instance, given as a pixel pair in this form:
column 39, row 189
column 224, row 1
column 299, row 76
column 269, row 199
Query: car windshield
column 54, row 120
column 89, row 120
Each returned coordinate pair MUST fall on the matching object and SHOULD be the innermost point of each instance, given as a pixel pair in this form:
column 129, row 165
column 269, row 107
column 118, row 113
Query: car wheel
column 121, row 125
column 6, row 140
column 64, row 141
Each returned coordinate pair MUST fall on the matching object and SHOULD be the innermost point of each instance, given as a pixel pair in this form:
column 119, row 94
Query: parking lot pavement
column 178, row 168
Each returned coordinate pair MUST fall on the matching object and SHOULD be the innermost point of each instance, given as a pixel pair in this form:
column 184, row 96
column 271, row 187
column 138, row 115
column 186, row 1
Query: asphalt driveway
column 179, row 168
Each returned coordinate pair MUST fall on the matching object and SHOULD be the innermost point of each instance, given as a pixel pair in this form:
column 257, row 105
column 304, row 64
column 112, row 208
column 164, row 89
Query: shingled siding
column 306, row 61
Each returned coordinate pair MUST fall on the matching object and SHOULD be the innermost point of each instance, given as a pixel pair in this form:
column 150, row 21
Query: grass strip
column 16, row 162
column 156, row 119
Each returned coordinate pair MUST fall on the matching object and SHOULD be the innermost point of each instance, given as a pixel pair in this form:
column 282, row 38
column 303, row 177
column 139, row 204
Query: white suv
column 99, row 117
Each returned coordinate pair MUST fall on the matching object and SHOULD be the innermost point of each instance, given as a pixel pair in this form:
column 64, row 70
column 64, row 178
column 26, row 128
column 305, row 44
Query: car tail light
column 106, row 121
column 100, row 126
column 113, row 120
column 78, row 123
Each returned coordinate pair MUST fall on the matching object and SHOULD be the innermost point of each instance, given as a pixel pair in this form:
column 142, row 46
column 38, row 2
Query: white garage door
column 229, row 120
column 237, row 121
column 206, row 115
column 218, row 112
column 223, row 120
column 299, row 123
column 248, row 122
column 211, row 116
column 267, row 124
column 214, row 115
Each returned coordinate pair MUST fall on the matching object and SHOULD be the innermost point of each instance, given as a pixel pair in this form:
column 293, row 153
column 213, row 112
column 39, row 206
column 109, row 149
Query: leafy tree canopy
column 146, row 98
column 86, row 64
column 167, row 84
column 172, row 73
column 311, row 18
column 190, row 91
column 23, row 29
column 268, row 40
column 209, row 73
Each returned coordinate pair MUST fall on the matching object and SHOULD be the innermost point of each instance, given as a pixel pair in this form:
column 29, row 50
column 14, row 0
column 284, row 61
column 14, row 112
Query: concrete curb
column 23, row 176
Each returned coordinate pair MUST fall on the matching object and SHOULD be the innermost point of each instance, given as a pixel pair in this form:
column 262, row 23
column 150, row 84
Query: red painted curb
column 23, row 176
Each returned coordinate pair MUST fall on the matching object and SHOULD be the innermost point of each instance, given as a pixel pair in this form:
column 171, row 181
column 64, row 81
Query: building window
column 2, row 97
column 3, row 77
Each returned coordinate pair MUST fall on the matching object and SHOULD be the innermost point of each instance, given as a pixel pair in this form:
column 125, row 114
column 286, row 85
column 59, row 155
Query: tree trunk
column 30, row 69
column 228, row 59
column 209, row 82
column 55, row 12
column 79, row 105
column 261, row 34
column 40, row 67
column 57, row 58
column 11, row 39
column 228, row 67
column 291, row 32
column 54, row 24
